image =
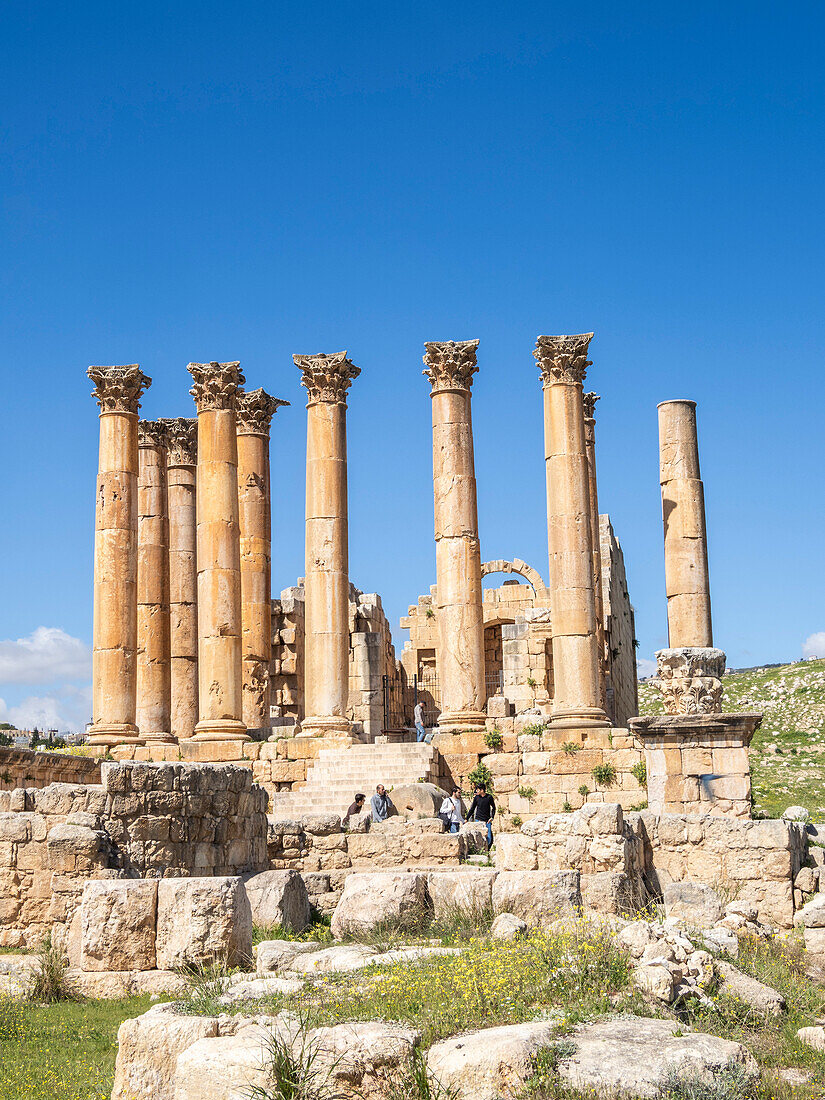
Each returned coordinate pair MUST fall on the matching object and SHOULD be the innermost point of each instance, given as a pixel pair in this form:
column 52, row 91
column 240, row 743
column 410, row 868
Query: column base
column 462, row 720
column 159, row 738
column 109, row 734
column 220, row 729
column 327, row 725
column 568, row 718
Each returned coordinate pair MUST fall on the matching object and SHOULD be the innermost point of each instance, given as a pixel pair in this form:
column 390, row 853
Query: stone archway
column 517, row 566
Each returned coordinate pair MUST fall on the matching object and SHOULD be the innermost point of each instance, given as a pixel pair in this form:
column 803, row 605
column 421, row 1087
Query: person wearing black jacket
column 483, row 808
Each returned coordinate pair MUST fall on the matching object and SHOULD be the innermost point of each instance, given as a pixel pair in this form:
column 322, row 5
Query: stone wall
column 143, row 820
column 620, row 628
column 26, row 768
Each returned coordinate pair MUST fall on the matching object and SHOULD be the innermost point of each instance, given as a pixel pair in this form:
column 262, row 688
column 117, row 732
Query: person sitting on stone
column 483, row 808
column 380, row 803
column 452, row 811
column 355, row 808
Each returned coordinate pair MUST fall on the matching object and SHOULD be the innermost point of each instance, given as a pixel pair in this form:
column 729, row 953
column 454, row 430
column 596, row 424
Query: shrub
column 48, row 983
column 571, row 748
column 584, row 790
column 493, row 739
column 604, row 774
column 637, row 807
column 517, row 822
column 531, row 683
column 639, row 772
column 730, row 1083
column 481, row 774
column 527, row 792
column 536, row 729
column 566, row 807
column 296, row 1070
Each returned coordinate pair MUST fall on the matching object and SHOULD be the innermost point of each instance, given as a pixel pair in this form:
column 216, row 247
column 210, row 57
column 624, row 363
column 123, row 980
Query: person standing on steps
column 380, row 803
column 418, row 717
column 483, row 808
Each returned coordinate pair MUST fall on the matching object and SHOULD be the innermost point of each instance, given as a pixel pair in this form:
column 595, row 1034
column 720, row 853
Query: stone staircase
column 339, row 773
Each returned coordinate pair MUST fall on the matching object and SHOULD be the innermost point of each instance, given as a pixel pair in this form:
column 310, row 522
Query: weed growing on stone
column 417, row 1083
column 493, row 739
column 297, row 1070
column 604, row 773
column 48, row 980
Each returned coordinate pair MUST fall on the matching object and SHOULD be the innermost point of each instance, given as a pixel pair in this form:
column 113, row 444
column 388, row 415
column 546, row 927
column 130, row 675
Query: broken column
column 183, row 574
column 589, row 401
column 459, row 617
column 254, row 415
column 576, row 666
column 326, row 377
column 114, row 669
column 215, row 389
column 153, row 669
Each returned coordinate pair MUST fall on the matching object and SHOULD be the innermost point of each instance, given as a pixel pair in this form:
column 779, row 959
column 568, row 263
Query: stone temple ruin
column 231, row 729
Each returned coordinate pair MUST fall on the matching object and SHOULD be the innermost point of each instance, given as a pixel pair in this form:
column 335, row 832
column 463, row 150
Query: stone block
column 538, row 897
column 515, row 852
column 379, row 897
column 117, row 924
column 203, row 921
column 278, row 898
column 466, row 891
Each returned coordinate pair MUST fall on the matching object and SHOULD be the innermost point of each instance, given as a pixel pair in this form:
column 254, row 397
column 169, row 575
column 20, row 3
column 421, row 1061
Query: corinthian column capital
column 215, row 385
column 119, row 389
column 450, row 364
column 590, row 400
column 327, row 376
column 255, row 411
column 563, row 358
column 153, row 433
column 183, row 440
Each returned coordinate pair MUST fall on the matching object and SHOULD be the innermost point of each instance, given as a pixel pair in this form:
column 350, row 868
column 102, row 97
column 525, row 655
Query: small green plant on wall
column 536, row 729
column 605, row 774
column 527, row 792
column 531, row 683
column 570, row 748
column 639, row 773
column 584, row 790
column 566, row 807
column 481, row 774
column 493, row 739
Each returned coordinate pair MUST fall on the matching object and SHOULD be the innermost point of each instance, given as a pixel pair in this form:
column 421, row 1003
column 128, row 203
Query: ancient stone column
column 450, row 369
column 183, row 574
column 589, row 401
column 114, row 669
column 154, row 684
column 254, row 415
column 683, row 513
column 576, row 666
column 215, row 391
column 326, row 649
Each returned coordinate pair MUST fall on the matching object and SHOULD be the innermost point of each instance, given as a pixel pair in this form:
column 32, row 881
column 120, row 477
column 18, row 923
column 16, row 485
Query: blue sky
column 224, row 181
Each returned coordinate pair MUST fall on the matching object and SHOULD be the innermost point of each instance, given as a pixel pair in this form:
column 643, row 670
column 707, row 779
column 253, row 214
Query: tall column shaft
column 576, row 664
column 114, row 646
column 683, row 513
column 450, row 369
column 326, row 583
column 254, row 415
column 590, row 400
column 218, row 551
column 183, row 574
column 154, row 684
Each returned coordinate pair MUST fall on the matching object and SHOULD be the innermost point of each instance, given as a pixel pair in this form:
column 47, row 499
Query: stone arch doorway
column 517, row 566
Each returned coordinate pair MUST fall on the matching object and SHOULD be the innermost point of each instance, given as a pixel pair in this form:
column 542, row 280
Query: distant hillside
column 788, row 750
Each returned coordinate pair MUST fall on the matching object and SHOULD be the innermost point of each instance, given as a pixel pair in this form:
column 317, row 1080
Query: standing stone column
column 183, row 574
column 589, row 402
column 215, row 391
column 450, row 369
column 576, row 666
column 326, row 648
column 114, row 670
column 154, row 684
column 254, row 415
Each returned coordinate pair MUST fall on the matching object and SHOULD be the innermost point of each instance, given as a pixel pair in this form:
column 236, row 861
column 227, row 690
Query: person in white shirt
column 452, row 811
column 418, row 717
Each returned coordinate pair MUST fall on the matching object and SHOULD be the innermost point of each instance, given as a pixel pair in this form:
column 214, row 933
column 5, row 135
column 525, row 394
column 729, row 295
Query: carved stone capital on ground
column 254, row 412
column 563, row 358
column 153, row 433
column 690, row 679
column 590, row 400
column 327, row 376
column 451, row 364
column 183, row 440
column 119, row 389
column 215, row 385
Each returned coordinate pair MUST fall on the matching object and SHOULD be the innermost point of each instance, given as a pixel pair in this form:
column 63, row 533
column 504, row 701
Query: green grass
column 788, row 750
column 64, row 1051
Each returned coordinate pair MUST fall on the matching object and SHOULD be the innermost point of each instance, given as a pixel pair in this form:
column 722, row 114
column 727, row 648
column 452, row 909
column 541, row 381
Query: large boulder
column 466, row 892
column 272, row 956
column 538, row 897
column 117, row 924
column 370, row 899
column 515, row 852
column 693, row 903
column 364, row 1059
column 761, row 997
column 507, row 926
column 334, row 960
column 636, row 1056
column 416, row 800
column 488, row 1064
column 147, row 1050
column 203, row 921
column 278, row 899
column 228, row 1067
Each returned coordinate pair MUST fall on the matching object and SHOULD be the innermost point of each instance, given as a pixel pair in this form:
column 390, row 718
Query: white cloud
column 67, row 709
column 645, row 667
column 814, row 645
column 49, row 655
